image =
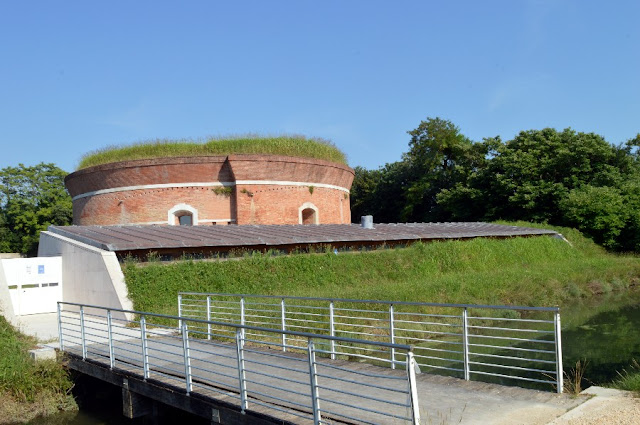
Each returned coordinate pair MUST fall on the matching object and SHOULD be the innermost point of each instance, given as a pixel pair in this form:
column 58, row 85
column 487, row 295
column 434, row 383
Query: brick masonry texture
column 244, row 204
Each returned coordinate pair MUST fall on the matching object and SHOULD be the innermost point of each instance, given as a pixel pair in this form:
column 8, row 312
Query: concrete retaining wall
column 90, row 275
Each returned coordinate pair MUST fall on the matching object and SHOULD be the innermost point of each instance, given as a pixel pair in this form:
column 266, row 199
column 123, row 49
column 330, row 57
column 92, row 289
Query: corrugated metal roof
column 157, row 237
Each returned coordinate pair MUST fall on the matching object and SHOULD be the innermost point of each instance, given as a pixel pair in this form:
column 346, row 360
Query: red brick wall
column 247, row 204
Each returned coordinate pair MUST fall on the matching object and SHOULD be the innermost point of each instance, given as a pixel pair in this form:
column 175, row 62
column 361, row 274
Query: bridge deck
column 278, row 377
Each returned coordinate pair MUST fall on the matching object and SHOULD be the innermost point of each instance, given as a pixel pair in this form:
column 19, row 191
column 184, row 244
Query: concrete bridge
column 242, row 373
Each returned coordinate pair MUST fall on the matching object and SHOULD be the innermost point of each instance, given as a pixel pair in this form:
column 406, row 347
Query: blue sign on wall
column 41, row 269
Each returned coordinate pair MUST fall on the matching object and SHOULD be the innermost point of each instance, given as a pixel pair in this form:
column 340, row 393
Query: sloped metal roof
column 157, row 237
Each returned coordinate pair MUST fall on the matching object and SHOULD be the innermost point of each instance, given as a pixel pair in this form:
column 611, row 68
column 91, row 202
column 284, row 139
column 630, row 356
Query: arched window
column 185, row 219
column 183, row 215
column 308, row 214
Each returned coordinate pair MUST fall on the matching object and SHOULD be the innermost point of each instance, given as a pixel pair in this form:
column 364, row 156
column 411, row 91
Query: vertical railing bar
column 558, row 338
column 283, row 317
column 60, row 342
column 180, row 312
column 332, row 330
column 465, row 342
column 83, row 339
column 242, row 316
column 208, row 317
column 392, row 336
column 112, row 360
column 413, row 388
column 313, row 378
column 241, row 371
column 145, row 353
column 187, row 359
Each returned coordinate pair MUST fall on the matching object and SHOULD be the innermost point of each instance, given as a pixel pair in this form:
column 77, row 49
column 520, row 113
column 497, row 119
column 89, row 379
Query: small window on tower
column 185, row 220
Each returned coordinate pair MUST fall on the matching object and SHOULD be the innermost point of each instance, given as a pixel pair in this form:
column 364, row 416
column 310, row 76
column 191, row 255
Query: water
column 604, row 331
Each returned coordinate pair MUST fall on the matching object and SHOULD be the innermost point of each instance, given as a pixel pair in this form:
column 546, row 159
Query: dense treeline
column 31, row 199
column 563, row 178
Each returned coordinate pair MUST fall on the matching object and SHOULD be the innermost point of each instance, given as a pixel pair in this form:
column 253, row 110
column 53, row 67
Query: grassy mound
column 284, row 145
column 539, row 271
column 27, row 388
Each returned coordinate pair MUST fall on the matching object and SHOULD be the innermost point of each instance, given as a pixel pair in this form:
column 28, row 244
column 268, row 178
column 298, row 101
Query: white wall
column 90, row 275
column 35, row 284
column 6, row 306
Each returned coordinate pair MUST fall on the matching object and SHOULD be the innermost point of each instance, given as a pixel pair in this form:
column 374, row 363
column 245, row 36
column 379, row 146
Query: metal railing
column 504, row 344
column 227, row 361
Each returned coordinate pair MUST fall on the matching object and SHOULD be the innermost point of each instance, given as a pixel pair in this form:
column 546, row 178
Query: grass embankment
column 539, row 271
column 28, row 388
column 284, row 145
column 629, row 380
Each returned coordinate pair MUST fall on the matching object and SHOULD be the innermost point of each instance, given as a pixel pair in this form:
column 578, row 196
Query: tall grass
column 29, row 388
column 518, row 271
column 283, row 145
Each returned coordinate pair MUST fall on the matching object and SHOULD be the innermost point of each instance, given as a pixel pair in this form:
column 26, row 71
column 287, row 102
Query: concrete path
column 42, row 326
column 605, row 406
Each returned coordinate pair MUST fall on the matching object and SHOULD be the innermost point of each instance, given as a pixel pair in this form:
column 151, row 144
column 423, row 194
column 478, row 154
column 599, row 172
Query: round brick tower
column 206, row 190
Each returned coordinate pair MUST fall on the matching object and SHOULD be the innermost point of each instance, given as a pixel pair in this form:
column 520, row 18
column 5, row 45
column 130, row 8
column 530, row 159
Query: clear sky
column 79, row 76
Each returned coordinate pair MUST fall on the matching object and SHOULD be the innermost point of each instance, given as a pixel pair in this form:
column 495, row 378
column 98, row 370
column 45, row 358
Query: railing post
column 332, row 330
column 241, row 370
column 60, row 327
column 187, row 359
column 208, row 317
column 313, row 377
column 242, row 316
column 283, row 318
column 465, row 342
column 112, row 359
column 392, row 336
column 558, row 337
column 413, row 388
column 145, row 353
column 82, row 336
column 180, row 312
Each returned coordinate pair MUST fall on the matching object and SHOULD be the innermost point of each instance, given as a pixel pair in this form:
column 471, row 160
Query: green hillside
column 539, row 271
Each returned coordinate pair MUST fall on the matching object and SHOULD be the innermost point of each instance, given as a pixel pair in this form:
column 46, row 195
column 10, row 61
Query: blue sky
column 80, row 76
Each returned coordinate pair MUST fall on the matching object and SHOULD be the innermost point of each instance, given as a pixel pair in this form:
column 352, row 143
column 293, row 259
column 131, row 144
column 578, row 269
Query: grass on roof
column 283, row 145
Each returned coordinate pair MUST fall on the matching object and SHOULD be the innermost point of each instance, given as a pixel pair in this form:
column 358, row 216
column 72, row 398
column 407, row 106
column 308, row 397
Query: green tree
column 439, row 157
column 31, row 199
column 380, row 193
column 600, row 211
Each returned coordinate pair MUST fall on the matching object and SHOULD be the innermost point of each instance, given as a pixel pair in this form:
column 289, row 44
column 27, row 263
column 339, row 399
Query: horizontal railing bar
column 506, row 347
column 457, row 325
column 273, row 387
column 278, row 398
column 237, row 326
column 508, row 338
column 354, row 301
column 337, row 416
column 282, row 378
column 514, row 367
column 379, row 387
column 524, row 359
column 335, row 390
column 391, row 415
column 520, row 378
column 280, row 409
column 508, row 319
column 361, row 373
column 510, row 329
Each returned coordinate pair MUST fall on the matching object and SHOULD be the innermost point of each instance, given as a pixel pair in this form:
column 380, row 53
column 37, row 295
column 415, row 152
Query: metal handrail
column 204, row 361
column 352, row 300
column 398, row 321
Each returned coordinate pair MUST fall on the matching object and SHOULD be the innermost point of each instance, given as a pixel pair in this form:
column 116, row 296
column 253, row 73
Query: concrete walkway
column 42, row 326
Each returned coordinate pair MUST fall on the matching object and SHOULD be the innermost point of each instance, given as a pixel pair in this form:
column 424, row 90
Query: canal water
column 602, row 332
